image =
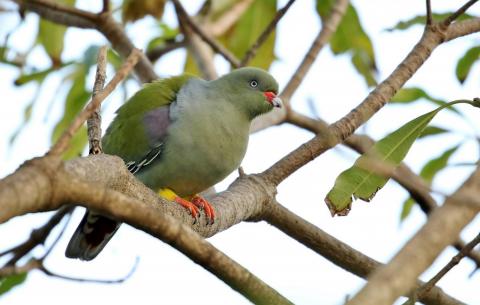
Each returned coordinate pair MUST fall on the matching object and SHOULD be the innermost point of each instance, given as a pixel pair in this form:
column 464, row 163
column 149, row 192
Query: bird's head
column 253, row 90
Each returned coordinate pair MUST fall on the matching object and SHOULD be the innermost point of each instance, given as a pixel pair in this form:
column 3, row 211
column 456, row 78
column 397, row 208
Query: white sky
column 297, row 272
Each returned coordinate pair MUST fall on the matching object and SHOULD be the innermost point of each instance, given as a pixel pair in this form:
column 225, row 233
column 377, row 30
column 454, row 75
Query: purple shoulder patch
column 156, row 124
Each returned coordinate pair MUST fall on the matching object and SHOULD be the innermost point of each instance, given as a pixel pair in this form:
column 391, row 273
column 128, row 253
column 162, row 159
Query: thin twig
column 211, row 42
column 61, row 12
column 106, row 6
column 154, row 54
column 12, row 269
column 57, row 239
column 328, row 28
column 94, row 122
column 429, row 12
column 64, row 139
column 37, row 236
column 77, row 279
column 200, row 50
column 264, row 35
column 452, row 263
column 459, row 12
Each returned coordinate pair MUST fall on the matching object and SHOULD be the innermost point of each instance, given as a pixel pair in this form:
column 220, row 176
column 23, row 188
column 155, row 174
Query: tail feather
column 91, row 236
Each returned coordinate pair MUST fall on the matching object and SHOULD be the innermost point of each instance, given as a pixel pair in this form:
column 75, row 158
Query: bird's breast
column 202, row 148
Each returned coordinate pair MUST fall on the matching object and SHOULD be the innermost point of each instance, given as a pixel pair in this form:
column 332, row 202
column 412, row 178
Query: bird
column 180, row 136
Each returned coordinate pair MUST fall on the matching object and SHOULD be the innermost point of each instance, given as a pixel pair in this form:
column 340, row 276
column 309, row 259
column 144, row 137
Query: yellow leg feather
column 167, row 194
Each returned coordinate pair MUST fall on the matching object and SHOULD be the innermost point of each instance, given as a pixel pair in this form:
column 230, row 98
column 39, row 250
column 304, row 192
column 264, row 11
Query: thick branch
column 58, row 184
column 104, row 22
column 443, row 228
column 336, row 251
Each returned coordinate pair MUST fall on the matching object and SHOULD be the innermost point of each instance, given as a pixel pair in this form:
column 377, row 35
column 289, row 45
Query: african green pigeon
column 180, row 136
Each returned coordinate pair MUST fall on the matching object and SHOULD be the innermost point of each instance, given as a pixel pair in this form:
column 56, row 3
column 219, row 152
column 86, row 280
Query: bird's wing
column 141, row 123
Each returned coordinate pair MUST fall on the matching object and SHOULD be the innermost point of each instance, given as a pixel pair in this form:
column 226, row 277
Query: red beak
column 273, row 99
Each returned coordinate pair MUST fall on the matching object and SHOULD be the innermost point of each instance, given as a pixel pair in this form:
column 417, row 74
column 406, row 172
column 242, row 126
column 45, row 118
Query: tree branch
column 336, row 251
column 154, row 54
column 452, row 263
column 104, row 22
column 94, row 122
column 228, row 19
column 442, row 228
column 459, row 12
column 202, row 53
column 97, row 99
column 211, row 42
column 37, row 236
column 429, row 13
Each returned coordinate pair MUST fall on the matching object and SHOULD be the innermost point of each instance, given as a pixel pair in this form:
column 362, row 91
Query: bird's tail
column 91, row 235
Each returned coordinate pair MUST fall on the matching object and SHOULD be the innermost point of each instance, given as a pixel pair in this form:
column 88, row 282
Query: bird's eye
column 253, row 83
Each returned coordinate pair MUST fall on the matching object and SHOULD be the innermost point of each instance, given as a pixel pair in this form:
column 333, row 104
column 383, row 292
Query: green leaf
column 38, row 76
column 412, row 94
column 7, row 283
column 90, row 56
column 432, row 167
column 245, row 32
column 360, row 180
column 406, row 208
column 168, row 34
column 51, row 36
column 466, row 62
column 428, row 172
column 421, row 20
column 432, row 131
column 75, row 101
column 350, row 38
column 133, row 10
column 190, row 65
column 114, row 59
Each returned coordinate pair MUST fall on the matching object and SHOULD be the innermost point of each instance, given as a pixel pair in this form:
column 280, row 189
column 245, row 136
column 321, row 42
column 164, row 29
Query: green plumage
column 125, row 137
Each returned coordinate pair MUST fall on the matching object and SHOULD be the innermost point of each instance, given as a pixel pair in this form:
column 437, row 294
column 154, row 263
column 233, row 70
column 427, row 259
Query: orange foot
column 193, row 206
column 203, row 204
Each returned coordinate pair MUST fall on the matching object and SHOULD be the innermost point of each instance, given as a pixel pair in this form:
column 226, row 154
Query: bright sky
column 304, row 277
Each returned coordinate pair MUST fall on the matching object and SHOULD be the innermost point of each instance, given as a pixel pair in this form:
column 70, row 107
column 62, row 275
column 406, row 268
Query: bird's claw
column 203, row 204
column 191, row 207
